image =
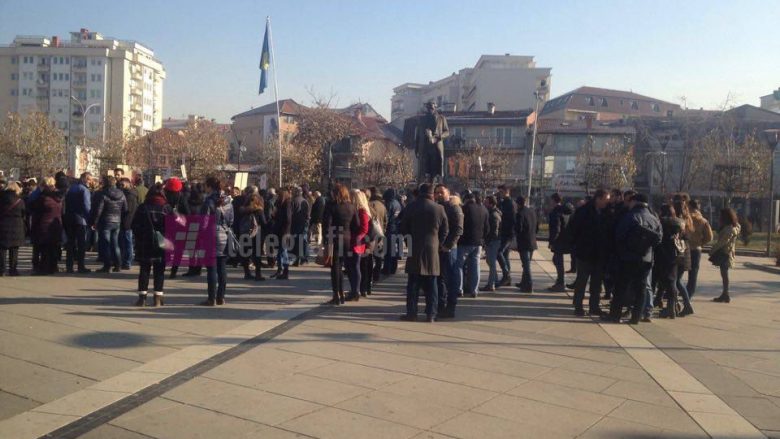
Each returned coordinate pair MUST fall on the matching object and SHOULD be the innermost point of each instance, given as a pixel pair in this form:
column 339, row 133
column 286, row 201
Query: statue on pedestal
column 429, row 138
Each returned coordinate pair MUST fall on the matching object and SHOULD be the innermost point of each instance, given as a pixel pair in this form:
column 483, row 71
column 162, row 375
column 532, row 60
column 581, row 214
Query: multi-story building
column 604, row 105
column 771, row 101
column 508, row 81
column 254, row 127
column 121, row 82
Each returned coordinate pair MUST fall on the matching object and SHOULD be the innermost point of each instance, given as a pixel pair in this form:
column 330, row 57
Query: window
column 92, row 62
column 621, row 102
column 656, row 108
column 94, row 110
column 603, row 102
column 67, row 60
column 590, row 101
column 67, row 76
column 13, row 92
column 14, row 59
column 14, row 76
column 100, row 62
column 457, row 132
column 54, row 60
column 504, row 136
column 634, row 105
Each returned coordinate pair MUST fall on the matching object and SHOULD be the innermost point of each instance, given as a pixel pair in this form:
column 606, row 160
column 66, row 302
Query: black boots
column 285, row 274
column 723, row 298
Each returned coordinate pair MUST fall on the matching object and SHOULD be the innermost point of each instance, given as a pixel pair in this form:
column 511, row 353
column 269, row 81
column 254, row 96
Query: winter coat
column 12, row 212
column 299, row 217
column 132, row 205
column 148, row 217
column 668, row 255
column 111, row 205
column 558, row 220
column 508, row 209
column 494, row 222
column 78, row 203
column 701, row 233
column 46, row 213
column 359, row 235
column 526, row 227
column 282, row 219
column 727, row 240
column 393, row 211
column 378, row 212
column 317, row 210
column 141, row 190
column 218, row 206
column 339, row 222
column 640, row 215
column 426, row 223
column 475, row 224
column 454, row 223
column 588, row 233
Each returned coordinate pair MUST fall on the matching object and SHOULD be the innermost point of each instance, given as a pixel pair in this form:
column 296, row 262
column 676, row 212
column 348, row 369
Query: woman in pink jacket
column 358, row 243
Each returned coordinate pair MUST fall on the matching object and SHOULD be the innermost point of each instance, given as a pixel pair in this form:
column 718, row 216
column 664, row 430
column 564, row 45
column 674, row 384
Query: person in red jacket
column 358, row 242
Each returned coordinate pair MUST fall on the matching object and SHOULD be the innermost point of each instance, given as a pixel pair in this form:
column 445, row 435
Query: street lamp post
column 84, row 112
column 773, row 139
column 539, row 95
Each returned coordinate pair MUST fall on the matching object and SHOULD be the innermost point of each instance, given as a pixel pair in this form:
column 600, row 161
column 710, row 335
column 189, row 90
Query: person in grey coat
column 425, row 222
column 218, row 206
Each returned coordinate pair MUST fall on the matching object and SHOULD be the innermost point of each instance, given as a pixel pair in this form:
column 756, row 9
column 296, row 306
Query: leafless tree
column 32, row 144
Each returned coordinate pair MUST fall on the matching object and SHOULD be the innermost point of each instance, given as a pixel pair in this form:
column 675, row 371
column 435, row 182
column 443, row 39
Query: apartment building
column 771, row 101
column 507, row 81
column 119, row 81
column 604, row 105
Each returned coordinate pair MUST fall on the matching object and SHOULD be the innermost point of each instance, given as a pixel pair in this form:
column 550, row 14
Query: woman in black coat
column 12, row 214
column 46, row 230
column 148, row 219
column 668, row 260
column 252, row 221
column 340, row 219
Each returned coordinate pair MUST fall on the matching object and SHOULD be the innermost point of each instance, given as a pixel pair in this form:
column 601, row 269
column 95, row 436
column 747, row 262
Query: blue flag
column 265, row 62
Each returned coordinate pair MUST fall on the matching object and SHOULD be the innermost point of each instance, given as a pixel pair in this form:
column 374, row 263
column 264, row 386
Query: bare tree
column 387, row 165
column 113, row 148
column 611, row 165
column 32, row 144
column 484, row 166
column 205, row 148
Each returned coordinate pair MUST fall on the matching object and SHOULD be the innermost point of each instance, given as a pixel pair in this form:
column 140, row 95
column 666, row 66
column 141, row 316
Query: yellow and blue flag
column 265, row 62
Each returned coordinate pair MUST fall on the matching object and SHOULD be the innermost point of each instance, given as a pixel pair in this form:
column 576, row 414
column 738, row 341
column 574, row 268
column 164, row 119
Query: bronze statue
column 429, row 138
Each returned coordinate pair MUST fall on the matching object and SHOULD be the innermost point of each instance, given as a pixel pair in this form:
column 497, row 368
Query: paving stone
column 669, row 418
column 555, row 419
column 332, row 423
column 32, row 425
column 357, row 374
column 567, row 397
column 440, row 392
column 37, row 382
column 576, row 380
column 108, row 431
column 11, row 404
column 614, row 428
column 313, row 389
column 470, row 425
column 414, row 412
column 243, row 402
column 648, row 393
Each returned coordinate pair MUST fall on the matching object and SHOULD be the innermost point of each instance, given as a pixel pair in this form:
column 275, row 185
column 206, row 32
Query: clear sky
column 359, row 50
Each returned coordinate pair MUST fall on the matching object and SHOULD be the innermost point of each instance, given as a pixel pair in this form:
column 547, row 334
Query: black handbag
column 719, row 257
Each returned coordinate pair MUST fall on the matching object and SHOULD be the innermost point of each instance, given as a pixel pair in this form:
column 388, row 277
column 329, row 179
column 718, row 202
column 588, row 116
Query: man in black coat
column 526, row 228
column 126, row 230
column 476, row 228
column 299, row 226
column 589, row 237
column 425, row 222
column 448, row 254
column 78, row 204
column 557, row 220
column 317, row 212
column 506, row 231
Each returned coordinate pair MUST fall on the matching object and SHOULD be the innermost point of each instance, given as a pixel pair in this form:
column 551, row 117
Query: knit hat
column 173, row 184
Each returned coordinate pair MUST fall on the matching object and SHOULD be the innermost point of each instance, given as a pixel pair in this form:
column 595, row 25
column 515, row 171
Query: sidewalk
column 512, row 365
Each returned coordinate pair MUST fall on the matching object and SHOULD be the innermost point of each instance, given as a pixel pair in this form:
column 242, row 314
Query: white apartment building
column 507, row 81
column 119, row 81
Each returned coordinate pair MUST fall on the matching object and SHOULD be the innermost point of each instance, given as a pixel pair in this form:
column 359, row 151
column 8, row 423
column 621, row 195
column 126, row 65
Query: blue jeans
column 648, row 308
column 353, row 272
column 446, row 284
column 109, row 240
column 282, row 257
column 492, row 250
column 526, row 281
column 682, row 290
column 693, row 275
column 393, row 249
column 503, row 256
column 468, row 264
column 126, row 247
column 413, row 284
column 216, row 278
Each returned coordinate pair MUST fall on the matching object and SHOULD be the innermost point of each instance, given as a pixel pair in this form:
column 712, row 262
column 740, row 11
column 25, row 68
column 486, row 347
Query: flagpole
column 276, row 98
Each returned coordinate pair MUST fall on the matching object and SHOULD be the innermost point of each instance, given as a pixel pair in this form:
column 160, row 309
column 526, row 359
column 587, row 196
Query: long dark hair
column 728, row 217
column 340, row 194
column 667, row 211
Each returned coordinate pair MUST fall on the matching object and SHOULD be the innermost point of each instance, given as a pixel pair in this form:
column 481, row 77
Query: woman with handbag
column 252, row 225
column 668, row 259
column 724, row 252
column 680, row 205
column 339, row 221
column 149, row 230
column 355, row 268
column 12, row 230
column 218, row 206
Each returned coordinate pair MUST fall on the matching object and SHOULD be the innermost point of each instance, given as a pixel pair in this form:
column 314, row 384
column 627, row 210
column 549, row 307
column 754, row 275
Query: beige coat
column 701, row 234
column 727, row 239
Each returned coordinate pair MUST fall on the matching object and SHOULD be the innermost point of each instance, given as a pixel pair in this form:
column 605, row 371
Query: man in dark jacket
column 110, row 207
column 508, row 210
column 526, row 227
column 557, row 220
column 589, row 236
column 393, row 237
column 299, row 226
column 637, row 233
column 448, row 286
column 475, row 229
column 317, row 212
column 492, row 243
column 78, row 202
column 126, row 231
column 425, row 222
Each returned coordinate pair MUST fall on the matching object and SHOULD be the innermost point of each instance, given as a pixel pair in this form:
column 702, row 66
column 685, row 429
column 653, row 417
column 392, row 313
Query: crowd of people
column 638, row 258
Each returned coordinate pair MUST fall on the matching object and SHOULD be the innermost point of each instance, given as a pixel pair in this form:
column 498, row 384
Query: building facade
column 771, row 101
column 254, row 127
column 121, row 82
column 507, row 81
column 605, row 105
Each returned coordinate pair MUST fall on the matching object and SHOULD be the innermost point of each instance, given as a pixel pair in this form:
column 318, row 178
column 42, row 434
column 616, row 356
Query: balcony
column 471, row 142
column 136, row 121
column 79, row 84
column 136, row 90
column 136, row 107
column 136, row 74
column 43, row 67
column 79, row 66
